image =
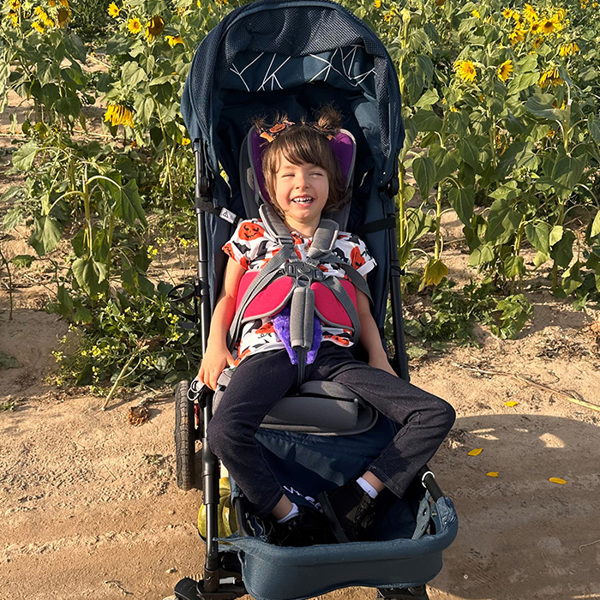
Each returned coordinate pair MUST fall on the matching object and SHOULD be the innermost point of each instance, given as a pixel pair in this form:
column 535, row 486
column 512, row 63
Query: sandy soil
column 90, row 508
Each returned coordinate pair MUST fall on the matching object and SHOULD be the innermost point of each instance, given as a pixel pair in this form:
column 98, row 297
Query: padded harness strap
column 302, row 304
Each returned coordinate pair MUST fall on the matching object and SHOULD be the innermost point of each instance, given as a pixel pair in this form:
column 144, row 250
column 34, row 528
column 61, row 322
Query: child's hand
column 212, row 365
column 381, row 362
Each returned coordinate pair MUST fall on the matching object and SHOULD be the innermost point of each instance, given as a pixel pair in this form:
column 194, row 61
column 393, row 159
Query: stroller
column 295, row 56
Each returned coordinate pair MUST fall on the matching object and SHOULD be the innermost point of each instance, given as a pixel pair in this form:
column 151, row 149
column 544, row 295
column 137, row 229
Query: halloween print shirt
column 252, row 247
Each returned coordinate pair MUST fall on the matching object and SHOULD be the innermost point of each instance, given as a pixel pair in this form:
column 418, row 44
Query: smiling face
column 301, row 192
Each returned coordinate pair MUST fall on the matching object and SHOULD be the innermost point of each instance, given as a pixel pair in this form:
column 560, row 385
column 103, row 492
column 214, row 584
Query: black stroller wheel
column 185, row 438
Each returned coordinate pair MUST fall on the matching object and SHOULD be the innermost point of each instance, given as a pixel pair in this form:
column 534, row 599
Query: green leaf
column 46, row 234
column 23, row 158
column 130, row 205
column 424, row 174
column 562, row 251
column 428, row 99
column 556, row 234
column 132, row 73
column 469, row 152
column 514, row 266
column 462, row 201
column 541, row 106
column 539, row 236
column 595, row 225
column 482, row 255
column 517, row 156
column 415, row 352
column 503, row 221
column 594, row 128
column 90, row 275
column 23, row 260
column 427, row 120
column 567, row 171
column 540, row 259
column 572, row 279
column 425, row 66
column 446, row 162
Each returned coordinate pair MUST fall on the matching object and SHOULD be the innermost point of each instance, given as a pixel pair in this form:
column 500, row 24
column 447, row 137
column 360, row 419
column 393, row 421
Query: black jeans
column 261, row 380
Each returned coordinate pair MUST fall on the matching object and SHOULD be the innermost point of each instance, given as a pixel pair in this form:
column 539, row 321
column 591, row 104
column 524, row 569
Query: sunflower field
column 501, row 103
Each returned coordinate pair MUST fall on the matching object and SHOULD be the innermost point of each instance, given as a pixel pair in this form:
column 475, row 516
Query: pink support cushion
column 267, row 302
column 329, row 308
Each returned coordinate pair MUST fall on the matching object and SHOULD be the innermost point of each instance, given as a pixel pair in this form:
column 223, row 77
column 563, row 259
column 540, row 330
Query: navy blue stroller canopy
column 268, row 58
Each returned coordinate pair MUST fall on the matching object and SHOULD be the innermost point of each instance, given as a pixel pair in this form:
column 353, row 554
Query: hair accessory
column 269, row 133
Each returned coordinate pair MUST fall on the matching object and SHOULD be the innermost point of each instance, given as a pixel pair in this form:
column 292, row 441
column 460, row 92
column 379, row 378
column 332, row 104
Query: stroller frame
column 222, row 572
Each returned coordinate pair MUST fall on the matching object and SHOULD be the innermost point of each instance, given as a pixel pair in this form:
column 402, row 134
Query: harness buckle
column 303, row 274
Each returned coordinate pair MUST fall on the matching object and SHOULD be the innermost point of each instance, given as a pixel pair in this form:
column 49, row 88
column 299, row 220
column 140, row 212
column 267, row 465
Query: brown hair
column 304, row 143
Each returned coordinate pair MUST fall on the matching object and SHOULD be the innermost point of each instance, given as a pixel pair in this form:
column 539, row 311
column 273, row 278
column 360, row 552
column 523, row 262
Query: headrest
column 342, row 144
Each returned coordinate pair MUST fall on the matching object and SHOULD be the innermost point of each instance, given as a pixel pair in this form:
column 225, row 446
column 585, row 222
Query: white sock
column 290, row 515
column 367, row 487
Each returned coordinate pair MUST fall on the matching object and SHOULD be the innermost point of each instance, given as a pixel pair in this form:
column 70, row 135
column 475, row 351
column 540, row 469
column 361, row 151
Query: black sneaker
column 307, row 528
column 350, row 512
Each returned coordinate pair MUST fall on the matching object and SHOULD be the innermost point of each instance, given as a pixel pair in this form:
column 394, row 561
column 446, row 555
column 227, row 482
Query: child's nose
column 302, row 181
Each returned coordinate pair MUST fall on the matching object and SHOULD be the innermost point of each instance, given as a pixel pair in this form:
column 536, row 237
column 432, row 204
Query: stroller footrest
column 189, row 589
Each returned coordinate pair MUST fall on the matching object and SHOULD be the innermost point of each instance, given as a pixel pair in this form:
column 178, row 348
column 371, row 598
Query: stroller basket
column 275, row 573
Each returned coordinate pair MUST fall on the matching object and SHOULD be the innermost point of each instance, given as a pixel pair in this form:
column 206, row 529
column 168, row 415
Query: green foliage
column 141, row 327
column 502, row 101
column 452, row 315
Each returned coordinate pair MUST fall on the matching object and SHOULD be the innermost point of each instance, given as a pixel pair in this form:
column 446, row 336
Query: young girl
column 303, row 179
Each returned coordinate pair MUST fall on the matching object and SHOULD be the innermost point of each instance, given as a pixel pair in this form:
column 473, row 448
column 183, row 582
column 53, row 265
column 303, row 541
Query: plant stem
column 167, row 155
column 438, row 223
column 401, row 225
column 121, row 375
column 10, row 287
column 517, row 250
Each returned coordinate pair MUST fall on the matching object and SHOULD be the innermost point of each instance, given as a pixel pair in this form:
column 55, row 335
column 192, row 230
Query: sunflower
column 113, row 10
column 466, row 70
column 174, row 40
column 518, row 35
column 476, row 13
column 64, row 15
column 134, row 25
column 504, row 70
column 118, row 114
column 530, row 14
column 14, row 17
column 14, row 4
column 154, row 27
column 64, row 3
column 536, row 27
column 38, row 26
column 377, row 3
column 547, row 26
column 550, row 77
column 507, row 13
column 569, row 49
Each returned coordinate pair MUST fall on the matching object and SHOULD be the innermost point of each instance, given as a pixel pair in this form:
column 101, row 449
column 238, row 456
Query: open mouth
column 303, row 200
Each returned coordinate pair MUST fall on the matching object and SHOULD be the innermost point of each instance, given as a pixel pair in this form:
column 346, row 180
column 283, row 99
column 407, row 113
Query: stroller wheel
column 185, row 438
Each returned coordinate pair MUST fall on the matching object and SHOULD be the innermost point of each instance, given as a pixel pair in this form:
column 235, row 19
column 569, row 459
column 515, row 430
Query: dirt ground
column 90, row 508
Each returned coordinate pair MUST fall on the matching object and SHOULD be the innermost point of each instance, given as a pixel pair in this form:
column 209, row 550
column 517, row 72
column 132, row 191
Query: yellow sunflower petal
column 476, row 452
column 557, row 480
column 492, row 474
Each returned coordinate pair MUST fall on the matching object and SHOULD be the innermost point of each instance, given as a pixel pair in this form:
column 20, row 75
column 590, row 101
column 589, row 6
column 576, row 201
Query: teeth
column 303, row 200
